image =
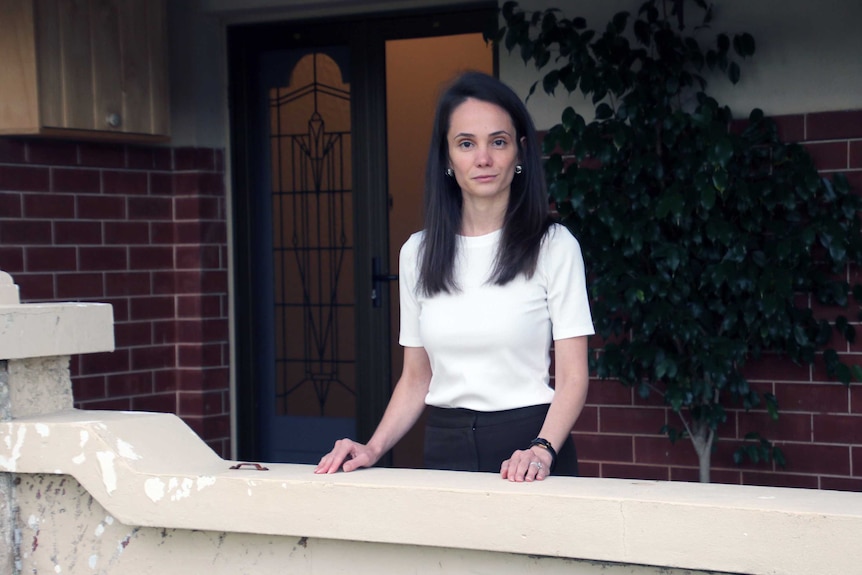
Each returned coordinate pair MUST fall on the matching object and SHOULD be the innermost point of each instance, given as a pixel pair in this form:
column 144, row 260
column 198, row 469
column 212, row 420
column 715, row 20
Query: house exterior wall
column 146, row 229
column 141, row 228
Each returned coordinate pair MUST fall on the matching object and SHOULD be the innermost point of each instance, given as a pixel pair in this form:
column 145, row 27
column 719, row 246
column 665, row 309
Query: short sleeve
column 408, row 272
column 568, row 302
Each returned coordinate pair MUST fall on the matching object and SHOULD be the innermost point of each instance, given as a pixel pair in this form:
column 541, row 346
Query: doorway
column 330, row 127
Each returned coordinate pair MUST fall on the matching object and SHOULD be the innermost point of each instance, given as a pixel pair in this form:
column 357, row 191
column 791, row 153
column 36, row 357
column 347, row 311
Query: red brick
column 855, row 180
column 151, row 258
column 52, row 152
column 199, row 355
column 162, row 232
column 49, row 259
column 163, row 403
column 165, row 331
column 633, row 420
column 855, row 395
column 11, row 258
column 135, row 333
column 856, row 154
column 211, row 185
column 791, row 127
column 152, row 308
column 10, row 205
column 219, row 160
column 127, row 283
column 788, row 427
column 101, row 207
column 122, row 183
column 780, row 480
column 194, row 159
column 120, row 404
column 204, row 404
column 220, row 446
column 198, row 257
column 198, row 208
column 103, row 258
column 145, row 158
column 87, row 388
column 602, row 447
column 201, row 233
column 153, row 357
column 814, row 398
column 133, row 383
column 165, row 380
column 76, row 180
column 77, row 233
column 190, row 379
column 102, row 155
column 24, row 179
column 116, row 361
column 49, row 206
column 660, row 451
column 12, row 151
column 631, row 471
column 150, row 208
column 161, row 184
column 35, row 287
column 217, row 378
column 588, row 420
column 841, row 484
column 817, row 458
column 121, row 308
column 165, row 282
column 215, row 281
column 834, row 125
column 828, row 155
column 79, row 286
column 199, row 306
column 856, row 460
column 837, row 428
column 216, row 426
column 775, row 368
column 589, row 469
column 188, row 184
column 127, row 233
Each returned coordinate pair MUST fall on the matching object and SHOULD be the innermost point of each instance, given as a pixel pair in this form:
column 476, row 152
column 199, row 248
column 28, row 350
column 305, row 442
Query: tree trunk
column 702, row 437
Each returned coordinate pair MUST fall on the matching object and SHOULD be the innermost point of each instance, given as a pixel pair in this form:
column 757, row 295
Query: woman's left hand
column 532, row 464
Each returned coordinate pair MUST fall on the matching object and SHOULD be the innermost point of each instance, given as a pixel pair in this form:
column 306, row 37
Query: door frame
column 367, row 36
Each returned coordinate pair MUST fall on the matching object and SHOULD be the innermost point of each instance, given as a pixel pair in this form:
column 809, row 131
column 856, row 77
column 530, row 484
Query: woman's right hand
column 347, row 455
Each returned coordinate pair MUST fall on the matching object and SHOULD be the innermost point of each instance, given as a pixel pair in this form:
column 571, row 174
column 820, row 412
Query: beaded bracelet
column 545, row 444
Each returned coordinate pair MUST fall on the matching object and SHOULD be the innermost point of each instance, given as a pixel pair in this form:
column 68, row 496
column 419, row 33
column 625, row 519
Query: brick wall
column 142, row 228
column 820, row 424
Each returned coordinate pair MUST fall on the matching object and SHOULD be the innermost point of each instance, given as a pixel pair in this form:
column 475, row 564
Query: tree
column 707, row 240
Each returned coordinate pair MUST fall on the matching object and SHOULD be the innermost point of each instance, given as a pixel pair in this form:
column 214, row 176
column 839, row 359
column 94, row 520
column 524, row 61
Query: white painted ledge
column 54, row 329
column 151, row 470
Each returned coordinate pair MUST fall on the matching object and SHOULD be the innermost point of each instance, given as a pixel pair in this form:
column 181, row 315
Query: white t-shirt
column 489, row 345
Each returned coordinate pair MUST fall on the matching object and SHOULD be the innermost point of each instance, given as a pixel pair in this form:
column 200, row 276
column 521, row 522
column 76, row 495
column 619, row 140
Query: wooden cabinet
column 84, row 69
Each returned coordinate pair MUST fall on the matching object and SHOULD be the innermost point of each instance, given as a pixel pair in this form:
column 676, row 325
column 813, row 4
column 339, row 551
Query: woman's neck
column 480, row 218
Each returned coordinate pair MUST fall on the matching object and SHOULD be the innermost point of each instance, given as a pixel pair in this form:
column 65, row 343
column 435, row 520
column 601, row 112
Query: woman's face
column 483, row 149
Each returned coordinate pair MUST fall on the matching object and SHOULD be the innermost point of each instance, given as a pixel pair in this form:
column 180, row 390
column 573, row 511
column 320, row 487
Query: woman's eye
column 465, row 144
column 500, row 143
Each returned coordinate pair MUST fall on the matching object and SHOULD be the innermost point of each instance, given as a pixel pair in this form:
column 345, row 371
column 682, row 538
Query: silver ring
column 538, row 464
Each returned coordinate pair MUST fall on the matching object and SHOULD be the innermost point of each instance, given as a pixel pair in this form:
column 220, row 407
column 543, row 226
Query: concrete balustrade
column 99, row 492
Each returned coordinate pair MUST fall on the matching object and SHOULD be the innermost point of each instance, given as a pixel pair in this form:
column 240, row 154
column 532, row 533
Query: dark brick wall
column 141, row 228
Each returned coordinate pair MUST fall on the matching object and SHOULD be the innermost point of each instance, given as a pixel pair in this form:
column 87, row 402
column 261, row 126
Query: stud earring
column 450, row 172
column 519, row 169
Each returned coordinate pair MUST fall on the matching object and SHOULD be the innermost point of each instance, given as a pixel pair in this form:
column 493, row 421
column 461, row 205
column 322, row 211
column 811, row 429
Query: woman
column 484, row 288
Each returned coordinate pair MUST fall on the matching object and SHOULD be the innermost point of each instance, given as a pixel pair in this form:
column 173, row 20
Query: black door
column 311, row 211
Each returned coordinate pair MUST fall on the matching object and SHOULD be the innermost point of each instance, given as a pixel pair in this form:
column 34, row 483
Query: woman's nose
column 483, row 157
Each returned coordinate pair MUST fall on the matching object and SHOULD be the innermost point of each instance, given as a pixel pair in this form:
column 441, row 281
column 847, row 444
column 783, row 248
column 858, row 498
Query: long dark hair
column 527, row 215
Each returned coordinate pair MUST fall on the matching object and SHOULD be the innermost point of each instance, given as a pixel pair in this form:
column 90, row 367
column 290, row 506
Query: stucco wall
column 806, row 60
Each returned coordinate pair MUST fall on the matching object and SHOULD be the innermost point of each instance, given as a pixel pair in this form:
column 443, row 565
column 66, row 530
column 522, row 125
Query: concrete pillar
column 36, row 342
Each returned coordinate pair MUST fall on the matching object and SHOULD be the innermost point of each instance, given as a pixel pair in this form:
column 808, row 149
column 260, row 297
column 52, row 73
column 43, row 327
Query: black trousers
column 467, row 440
